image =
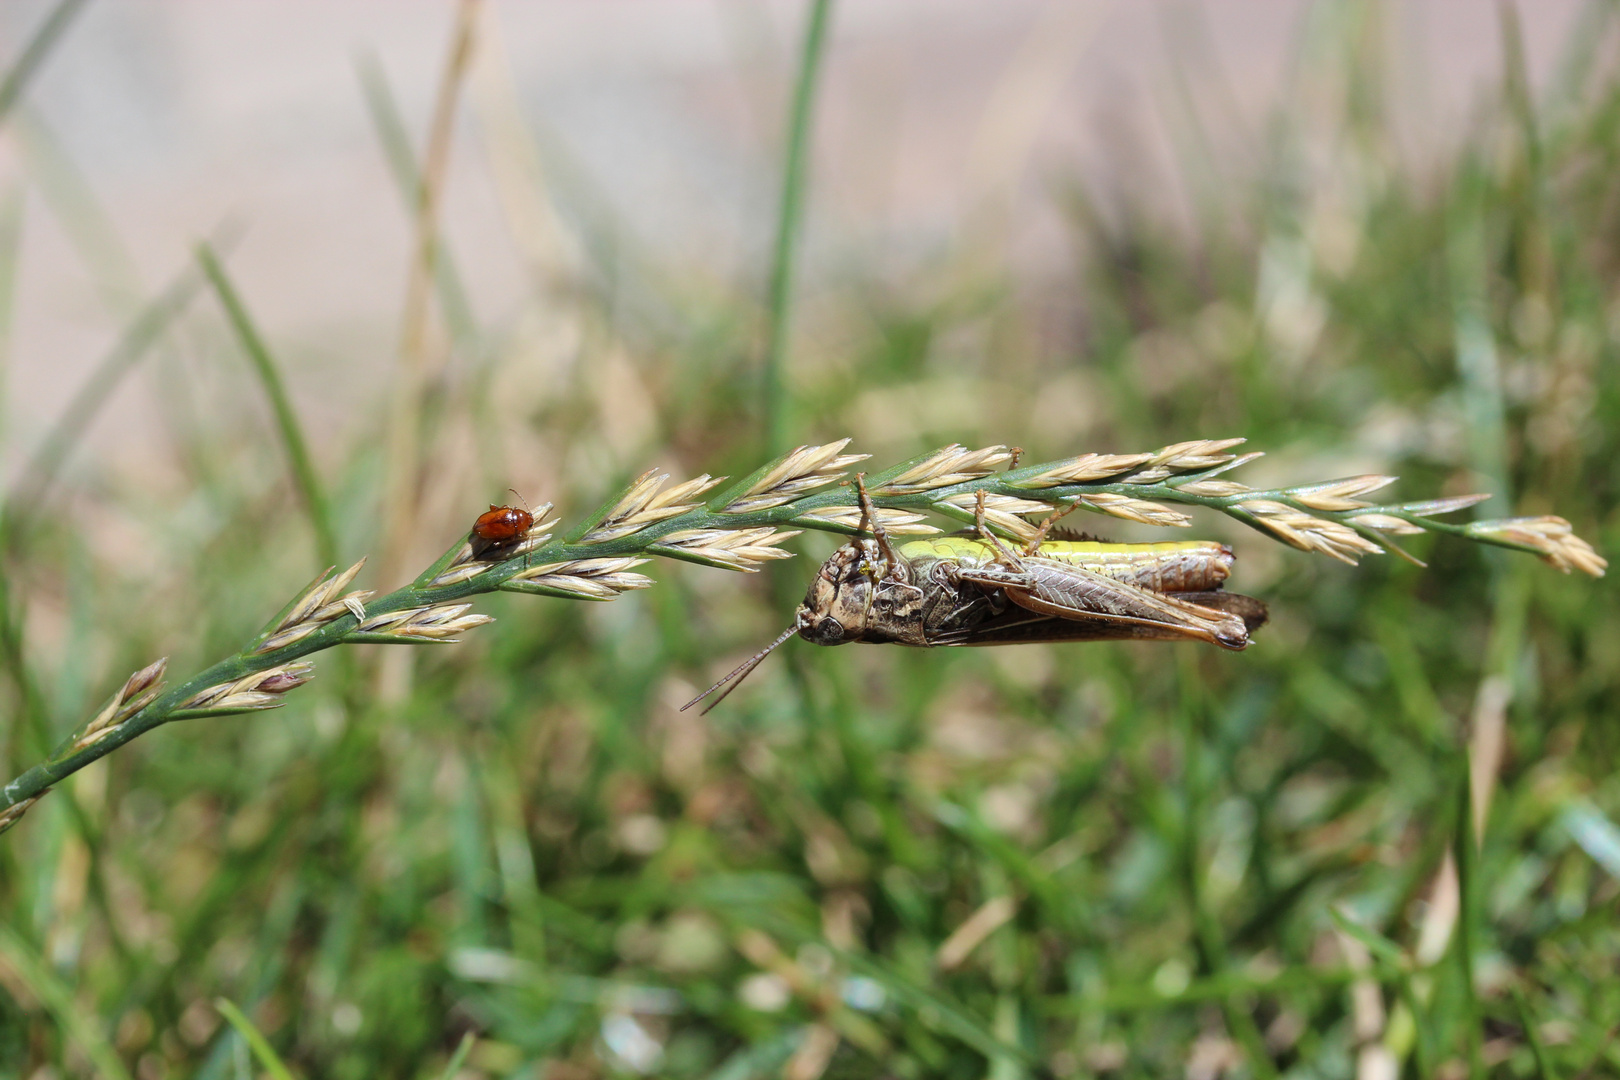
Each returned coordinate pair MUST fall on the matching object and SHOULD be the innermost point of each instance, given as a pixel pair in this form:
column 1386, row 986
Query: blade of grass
column 29, row 61
column 11, row 206
column 459, row 1058
column 84, row 219
column 32, row 970
column 1466, row 852
column 292, row 435
column 262, row 1051
column 789, row 221
column 1532, row 1035
column 136, row 342
column 383, row 108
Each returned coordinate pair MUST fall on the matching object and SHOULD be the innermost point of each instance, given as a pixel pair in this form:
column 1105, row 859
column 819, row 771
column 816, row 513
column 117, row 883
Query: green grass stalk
column 287, row 425
column 789, row 225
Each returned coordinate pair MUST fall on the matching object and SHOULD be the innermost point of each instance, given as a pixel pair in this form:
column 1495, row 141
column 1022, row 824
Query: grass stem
column 292, row 434
column 789, row 225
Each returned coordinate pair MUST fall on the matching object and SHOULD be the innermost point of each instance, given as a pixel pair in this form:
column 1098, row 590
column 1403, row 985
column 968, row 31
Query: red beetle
column 499, row 527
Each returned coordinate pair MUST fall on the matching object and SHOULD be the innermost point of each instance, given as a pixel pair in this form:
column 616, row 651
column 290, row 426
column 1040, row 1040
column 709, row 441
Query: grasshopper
column 972, row 589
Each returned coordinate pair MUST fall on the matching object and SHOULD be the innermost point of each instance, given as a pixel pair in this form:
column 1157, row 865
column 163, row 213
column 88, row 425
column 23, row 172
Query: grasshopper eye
column 824, row 631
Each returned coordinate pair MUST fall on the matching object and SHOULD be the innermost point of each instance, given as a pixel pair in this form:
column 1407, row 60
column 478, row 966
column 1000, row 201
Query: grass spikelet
column 320, row 605
column 260, row 690
column 1123, row 506
column 847, row 519
column 1197, row 455
column 138, row 691
column 436, row 622
column 730, row 549
column 999, row 510
column 1214, row 489
column 13, row 814
column 1384, row 523
column 1550, row 537
column 945, row 467
column 794, row 474
column 1084, row 469
column 581, row 579
column 1309, row 533
column 646, row 504
column 1341, row 494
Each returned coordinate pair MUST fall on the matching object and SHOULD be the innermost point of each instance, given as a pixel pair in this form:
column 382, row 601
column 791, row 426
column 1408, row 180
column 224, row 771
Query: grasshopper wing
column 1101, row 608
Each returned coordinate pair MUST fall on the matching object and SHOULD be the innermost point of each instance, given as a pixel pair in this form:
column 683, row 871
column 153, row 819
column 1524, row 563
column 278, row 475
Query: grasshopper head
column 839, row 602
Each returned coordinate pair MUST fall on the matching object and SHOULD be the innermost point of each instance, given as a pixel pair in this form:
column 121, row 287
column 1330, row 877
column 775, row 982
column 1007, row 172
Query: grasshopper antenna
column 742, row 671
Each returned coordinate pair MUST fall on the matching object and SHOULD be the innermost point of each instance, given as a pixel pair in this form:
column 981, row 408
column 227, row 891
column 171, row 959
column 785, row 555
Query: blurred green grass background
column 1111, row 860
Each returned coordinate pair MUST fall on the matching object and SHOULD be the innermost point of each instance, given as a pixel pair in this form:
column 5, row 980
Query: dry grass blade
column 954, row 464
column 795, row 474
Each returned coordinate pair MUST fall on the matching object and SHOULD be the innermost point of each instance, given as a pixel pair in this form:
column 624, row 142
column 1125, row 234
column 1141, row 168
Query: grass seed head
column 1310, row 533
column 1196, row 456
column 1550, row 537
column 316, row 608
column 949, row 465
column 1085, row 469
column 1122, row 506
column 138, row 691
column 589, row 579
column 1384, row 523
column 260, row 690
column 1334, row 495
column 795, row 474
column 1214, row 489
column 1001, row 511
column 13, row 814
column 848, row 519
column 735, row 549
column 646, row 504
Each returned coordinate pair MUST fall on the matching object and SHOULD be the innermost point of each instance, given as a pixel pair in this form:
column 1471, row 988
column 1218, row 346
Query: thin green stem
column 789, row 223
column 292, row 435
column 135, row 343
column 34, row 53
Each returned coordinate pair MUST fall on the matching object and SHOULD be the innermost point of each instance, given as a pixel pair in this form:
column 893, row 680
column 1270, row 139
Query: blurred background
column 1372, row 237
